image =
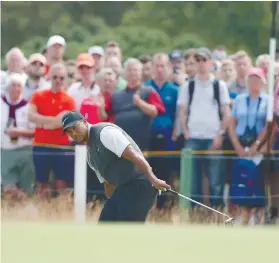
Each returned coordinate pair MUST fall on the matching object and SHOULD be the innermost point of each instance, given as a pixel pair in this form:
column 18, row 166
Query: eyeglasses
column 84, row 67
column 58, row 77
column 35, row 63
column 199, row 59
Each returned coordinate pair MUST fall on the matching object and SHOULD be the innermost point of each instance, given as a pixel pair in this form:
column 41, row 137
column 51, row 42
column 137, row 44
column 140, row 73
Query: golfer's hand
column 160, row 185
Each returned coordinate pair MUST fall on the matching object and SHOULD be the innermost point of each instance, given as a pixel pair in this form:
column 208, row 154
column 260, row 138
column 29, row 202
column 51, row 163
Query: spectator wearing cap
column 115, row 64
column 133, row 108
column 55, row 51
column 246, row 126
column 97, row 53
column 204, row 111
column 163, row 124
column 274, row 139
column 15, row 62
column 35, row 81
column 87, row 86
column 190, row 63
column 50, row 152
column 17, row 170
column 242, row 65
column 177, row 74
column 112, row 49
column 146, row 62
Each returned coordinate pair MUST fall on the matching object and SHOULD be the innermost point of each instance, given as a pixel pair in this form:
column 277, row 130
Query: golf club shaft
column 188, row 198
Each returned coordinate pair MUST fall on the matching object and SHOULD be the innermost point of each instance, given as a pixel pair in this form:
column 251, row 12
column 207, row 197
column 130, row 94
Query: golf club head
column 229, row 221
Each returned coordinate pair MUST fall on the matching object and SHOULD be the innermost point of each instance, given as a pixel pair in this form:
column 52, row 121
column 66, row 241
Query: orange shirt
column 51, row 104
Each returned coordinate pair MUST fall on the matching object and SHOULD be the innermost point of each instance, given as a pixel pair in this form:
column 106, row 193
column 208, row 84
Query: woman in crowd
column 246, row 126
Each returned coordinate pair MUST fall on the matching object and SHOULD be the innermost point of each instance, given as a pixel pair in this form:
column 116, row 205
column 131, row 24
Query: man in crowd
column 87, row 86
column 242, row 65
column 35, row 70
column 162, row 125
column 177, row 73
column 190, row 63
column 112, row 49
column 204, row 112
column 115, row 64
column 146, row 62
column 55, row 51
column 133, row 108
column 50, row 151
column 73, row 75
column 97, row 53
column 262, row 62
column 15, row 62
column 17, row 171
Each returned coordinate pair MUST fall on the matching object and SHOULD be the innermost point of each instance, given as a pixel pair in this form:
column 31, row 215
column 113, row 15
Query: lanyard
column 256, row 115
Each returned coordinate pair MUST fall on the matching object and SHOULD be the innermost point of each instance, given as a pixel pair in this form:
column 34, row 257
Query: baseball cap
column 204, row 52
column 176, row 54
column 70, row 119
column 257, row 72
column 85, row 59
column 37, row 57
column 56, row 39
column 96, row 50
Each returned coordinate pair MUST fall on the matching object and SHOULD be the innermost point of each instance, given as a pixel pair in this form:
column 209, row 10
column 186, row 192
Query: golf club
column 229, row 219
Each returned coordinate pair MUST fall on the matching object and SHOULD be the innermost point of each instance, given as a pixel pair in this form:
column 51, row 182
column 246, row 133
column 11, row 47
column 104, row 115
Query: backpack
column 216, row 92
column 245, row 187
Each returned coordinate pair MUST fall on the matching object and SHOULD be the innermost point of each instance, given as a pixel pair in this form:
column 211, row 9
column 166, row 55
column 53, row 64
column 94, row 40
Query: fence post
column 185, row 177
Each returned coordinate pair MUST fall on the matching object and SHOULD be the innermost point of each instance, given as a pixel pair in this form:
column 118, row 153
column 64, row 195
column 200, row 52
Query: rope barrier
column 147, row 153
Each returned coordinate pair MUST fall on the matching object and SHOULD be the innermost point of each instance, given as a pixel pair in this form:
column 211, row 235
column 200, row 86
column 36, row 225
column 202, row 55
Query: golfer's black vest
column 116, row 171
column 130, row 117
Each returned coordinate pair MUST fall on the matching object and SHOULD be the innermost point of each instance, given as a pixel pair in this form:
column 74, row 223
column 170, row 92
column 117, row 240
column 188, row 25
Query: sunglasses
column 35, row 63
column 84, row 67
column 199, row 59
column 58, row 77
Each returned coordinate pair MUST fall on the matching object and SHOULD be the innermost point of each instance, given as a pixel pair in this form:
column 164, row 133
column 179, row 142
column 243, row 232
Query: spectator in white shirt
column 87, row 87
column 204, row 112
column 17, row 169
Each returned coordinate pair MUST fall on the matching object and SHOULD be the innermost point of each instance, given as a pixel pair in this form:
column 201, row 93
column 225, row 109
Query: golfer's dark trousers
column 129, row 202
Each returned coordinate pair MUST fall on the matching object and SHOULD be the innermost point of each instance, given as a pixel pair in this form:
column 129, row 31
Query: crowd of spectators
column 199, row 99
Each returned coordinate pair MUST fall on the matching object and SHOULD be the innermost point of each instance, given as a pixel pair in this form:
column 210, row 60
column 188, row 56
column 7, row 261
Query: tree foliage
column 140, row 27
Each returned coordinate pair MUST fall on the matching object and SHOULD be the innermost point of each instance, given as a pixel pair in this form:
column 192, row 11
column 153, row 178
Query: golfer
column 130, row 185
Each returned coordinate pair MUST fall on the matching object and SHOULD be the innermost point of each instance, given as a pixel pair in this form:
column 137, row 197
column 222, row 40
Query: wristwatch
column 222, row 132
column 257, row 142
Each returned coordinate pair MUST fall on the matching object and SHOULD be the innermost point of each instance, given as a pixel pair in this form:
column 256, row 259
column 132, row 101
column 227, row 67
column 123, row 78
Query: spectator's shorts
column 17, row 168
column 58, row 160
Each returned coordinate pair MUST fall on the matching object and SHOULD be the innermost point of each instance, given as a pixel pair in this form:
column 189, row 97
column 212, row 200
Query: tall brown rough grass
column 62, row 209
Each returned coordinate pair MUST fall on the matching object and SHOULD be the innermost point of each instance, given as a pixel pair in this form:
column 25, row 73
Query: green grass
column 71, row 243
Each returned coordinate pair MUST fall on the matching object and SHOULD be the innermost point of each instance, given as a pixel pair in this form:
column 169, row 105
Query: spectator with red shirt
column 106, row 79
column 47, row 108
column 134, row 108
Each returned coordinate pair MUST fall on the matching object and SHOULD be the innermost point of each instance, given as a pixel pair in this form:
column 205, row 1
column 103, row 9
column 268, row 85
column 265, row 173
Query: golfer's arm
column 108, row 189
column 139, row 161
